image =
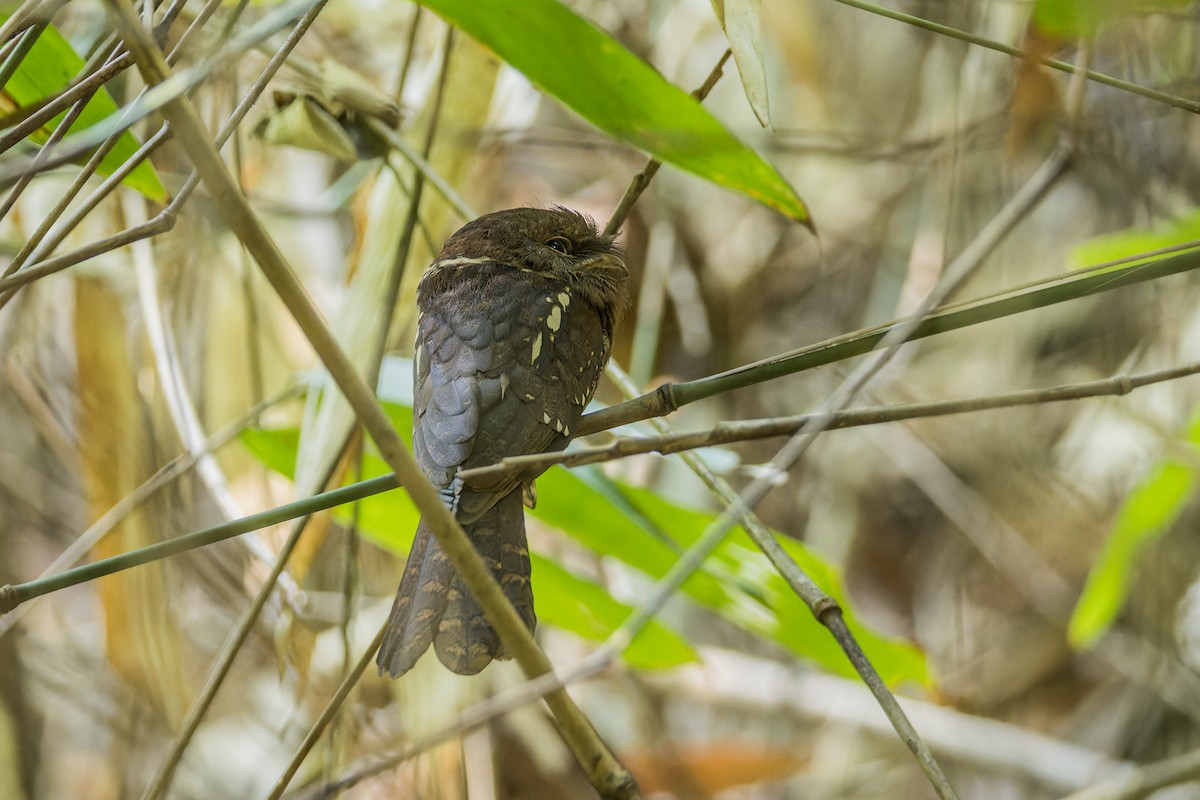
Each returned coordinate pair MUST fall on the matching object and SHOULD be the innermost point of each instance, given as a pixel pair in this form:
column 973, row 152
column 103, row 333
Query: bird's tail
column 433, row 605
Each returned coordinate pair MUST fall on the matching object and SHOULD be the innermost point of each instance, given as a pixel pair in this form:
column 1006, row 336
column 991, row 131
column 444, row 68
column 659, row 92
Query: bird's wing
column 506, row 361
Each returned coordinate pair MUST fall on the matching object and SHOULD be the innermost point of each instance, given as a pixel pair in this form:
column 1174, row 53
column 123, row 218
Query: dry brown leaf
column 711, row 767
column 144, row 645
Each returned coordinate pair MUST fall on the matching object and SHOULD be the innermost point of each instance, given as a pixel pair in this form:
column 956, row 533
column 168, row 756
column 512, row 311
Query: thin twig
column 825, row 608
column 327, row 713
column 423, row 168
column 1054, row 63
column 165, row 220
column 44, row 240
column 52, row 108
column 44, row 152
column 224, row 660
column 643, row 178
column 749, row 430
column 162, row 94
column 23, row 17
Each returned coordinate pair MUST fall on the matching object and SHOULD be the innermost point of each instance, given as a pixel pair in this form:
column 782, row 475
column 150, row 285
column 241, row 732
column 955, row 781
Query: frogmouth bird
column 515, row 325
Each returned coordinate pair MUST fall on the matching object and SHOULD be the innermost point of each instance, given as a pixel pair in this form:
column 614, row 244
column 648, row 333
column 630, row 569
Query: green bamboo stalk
column 1040, row 294
column 13, row 596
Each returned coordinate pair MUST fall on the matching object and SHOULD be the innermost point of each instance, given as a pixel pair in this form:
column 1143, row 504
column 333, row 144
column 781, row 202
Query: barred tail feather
column 433, row 605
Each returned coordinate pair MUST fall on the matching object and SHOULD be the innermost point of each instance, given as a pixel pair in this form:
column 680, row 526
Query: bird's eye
column 560, row 243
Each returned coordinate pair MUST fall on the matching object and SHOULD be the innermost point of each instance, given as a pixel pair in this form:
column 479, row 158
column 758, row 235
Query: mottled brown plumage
column 515, row 327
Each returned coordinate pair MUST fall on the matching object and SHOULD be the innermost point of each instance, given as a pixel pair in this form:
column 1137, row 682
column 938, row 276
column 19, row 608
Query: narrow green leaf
column 275, row 447
column 1150, row 509
column 389, row 520
column 598, row 78
column 52, row 64
column 566, row 502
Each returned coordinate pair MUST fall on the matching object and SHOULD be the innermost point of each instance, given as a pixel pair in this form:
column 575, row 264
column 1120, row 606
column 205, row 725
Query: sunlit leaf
column 598, row 78
column 767, row 605
column 1135, row 241
column 586, row 609
column 737, row 581
column 52, row 64
column 1151, row 508
column 1083, row 18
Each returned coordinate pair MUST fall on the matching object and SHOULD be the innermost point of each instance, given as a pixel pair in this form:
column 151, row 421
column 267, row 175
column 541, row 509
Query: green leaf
column 598, row 78
column 275, row 447
column 586, row 609
column 1151, row 508
column 52, row 64
column 566, row 502
column 1083, row 18
column 769, row 607
column 1135, row 241
column 737, row 581
column 388, row 520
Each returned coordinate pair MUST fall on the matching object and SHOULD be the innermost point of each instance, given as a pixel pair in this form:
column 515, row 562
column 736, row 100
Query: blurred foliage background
column 1026, row 576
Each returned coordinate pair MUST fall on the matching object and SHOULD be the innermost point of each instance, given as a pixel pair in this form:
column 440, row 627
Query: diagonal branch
column 1172, row 100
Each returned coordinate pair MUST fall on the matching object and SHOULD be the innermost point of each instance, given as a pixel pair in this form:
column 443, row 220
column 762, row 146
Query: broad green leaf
column 737, row 581
column 389, row 518
column 1135, row 241
column 566, row 502
column 1148, row 512
column 769, row 607
column 586, row 609
column 598, row 78
column 52, row 64
column 1083, row 18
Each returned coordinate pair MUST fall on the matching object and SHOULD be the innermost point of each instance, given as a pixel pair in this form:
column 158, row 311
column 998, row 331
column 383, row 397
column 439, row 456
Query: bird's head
column 556, row 241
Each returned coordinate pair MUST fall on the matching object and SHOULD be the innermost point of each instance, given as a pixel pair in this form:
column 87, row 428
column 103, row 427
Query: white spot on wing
column 545, row 418
column 564, row 299
column 537, row 348
column 554, row 321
